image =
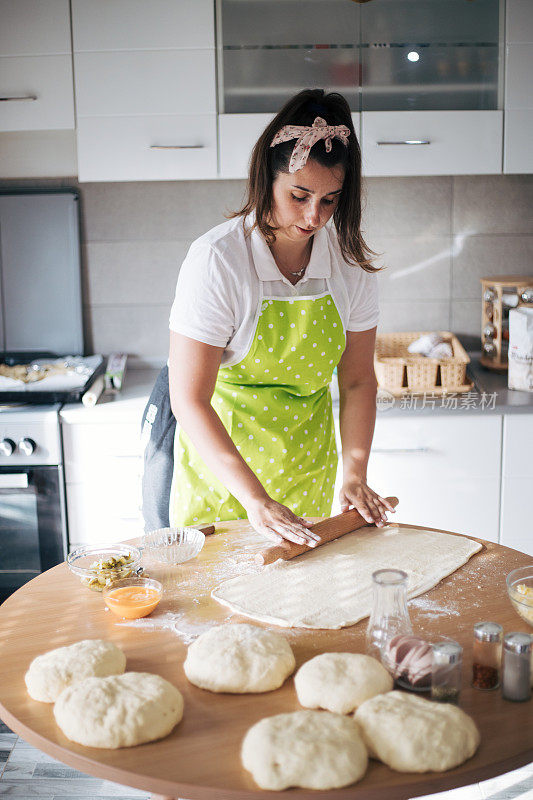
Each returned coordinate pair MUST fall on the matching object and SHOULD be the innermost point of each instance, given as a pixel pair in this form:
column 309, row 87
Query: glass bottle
column 516, row 679
column 446, row 671
column 389, row 615
column 487, row 655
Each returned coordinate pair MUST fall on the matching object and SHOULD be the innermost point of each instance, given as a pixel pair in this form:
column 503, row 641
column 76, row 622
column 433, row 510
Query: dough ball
column 340, row 682
column 239, row 658
column 119, row 711
column 311, row 749
column 411, row 734
column 52, row 672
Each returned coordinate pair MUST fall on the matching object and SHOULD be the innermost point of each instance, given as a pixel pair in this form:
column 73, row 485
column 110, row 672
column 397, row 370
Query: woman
column 267, row 305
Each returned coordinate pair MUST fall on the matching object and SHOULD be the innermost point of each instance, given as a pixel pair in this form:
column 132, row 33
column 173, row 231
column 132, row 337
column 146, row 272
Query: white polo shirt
column 226, row 273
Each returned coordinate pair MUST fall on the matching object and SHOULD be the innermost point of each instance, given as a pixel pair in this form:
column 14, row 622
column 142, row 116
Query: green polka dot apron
column 276, row 406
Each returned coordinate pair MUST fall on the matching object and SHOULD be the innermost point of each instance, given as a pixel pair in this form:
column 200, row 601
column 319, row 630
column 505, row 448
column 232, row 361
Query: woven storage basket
column 399, row 371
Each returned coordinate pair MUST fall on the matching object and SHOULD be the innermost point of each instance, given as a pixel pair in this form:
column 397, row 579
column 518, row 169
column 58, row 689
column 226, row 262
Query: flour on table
column 331, row 587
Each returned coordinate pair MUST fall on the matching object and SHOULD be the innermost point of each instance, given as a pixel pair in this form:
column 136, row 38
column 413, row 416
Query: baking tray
column 44, row 396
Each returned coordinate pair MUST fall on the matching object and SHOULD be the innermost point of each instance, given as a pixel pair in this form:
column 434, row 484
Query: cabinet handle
column 401, row 449
column 176, row 146
column 22, row 97
column 407, row 141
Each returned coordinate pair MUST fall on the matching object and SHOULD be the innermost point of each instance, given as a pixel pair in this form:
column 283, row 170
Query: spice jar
column 516, row 683
column 446, row 672
column 487, row 655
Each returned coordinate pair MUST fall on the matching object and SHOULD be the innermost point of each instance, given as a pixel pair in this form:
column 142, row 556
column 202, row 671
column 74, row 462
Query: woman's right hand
column 277, row 523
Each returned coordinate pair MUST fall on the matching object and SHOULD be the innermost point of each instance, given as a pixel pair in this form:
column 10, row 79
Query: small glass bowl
column 409, row 678
column 522, row 602
column 173, row 545
column 80, row 563
column 135, row 605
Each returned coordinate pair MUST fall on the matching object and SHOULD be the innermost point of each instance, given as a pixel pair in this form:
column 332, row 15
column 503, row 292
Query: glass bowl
column 88, row 564
column 520, row 590
column 132, row 598
column 173, row 545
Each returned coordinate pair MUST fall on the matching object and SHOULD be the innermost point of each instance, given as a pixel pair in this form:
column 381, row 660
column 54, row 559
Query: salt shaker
column 516, row 684
column 389, row 613
column 446, row 671
column 487, row 655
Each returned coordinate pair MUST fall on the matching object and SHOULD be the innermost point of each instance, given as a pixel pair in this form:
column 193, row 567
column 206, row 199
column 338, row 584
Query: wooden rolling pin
column 328, row 530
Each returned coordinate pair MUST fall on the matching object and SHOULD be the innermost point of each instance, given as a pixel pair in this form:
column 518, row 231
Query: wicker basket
column 400, row 372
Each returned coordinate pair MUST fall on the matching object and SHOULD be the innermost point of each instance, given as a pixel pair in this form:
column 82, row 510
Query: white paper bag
column 521, row 349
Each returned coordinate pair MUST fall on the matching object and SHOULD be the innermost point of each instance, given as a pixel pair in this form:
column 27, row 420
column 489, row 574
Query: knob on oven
column 27, row 446
column 7, row 447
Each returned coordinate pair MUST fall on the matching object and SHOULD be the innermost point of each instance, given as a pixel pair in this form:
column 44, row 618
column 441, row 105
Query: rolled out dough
column 331, row 586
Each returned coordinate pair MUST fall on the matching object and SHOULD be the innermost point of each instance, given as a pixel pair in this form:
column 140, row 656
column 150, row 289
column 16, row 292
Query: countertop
column 489, row 396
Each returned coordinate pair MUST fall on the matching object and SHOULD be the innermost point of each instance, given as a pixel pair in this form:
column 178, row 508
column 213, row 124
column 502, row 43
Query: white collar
column 267, row 270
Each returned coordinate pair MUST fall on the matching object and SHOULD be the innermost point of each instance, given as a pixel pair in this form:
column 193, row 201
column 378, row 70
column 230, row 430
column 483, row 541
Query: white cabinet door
column 518, row 153
column 147, row 148
column 103, row 471
column 100, row 25
column 102, row 512
column 145, row 89
column 34, row 27
column 237, row 135
column 36, row 92
column 517, row 482
column 445, row 471
column 145, row 83
column 431, row 142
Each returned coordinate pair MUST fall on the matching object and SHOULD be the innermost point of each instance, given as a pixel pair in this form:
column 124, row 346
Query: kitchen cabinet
column 517, row 482
column 37, row 136
column 145, row 89
column 35, row 66
column 518, row 154
column 103, row 469
column 237, row 135
column 425, row 77
column 445, row 471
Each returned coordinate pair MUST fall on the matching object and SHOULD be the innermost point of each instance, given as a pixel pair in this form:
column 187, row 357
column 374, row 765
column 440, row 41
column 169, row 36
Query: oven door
column 32, row 524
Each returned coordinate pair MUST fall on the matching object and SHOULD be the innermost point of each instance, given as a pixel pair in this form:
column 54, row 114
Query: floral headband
column 307, row 136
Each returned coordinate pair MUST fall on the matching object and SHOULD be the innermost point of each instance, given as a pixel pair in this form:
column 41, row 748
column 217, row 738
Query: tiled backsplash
column 437, row 237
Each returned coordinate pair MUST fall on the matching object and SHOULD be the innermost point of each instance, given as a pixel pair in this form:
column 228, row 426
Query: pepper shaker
column 516, row 683
column 487, row 655
column 446, row 672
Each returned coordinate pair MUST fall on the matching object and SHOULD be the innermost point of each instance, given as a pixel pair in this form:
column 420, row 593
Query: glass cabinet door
column 428, row 55
column 383, row 55
column 271, row 50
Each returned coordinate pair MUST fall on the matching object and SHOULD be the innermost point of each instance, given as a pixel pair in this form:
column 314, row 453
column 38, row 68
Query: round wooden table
column 200, row 759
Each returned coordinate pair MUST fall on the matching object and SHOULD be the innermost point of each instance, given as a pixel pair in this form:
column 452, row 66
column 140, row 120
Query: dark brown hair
column 266, row 162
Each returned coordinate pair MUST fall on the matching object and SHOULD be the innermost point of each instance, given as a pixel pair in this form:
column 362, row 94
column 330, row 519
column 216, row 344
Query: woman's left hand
column 355, row 493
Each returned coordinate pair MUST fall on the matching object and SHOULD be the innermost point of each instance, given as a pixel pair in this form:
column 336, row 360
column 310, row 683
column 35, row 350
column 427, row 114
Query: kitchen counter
column 125, row 406
column 490, row 395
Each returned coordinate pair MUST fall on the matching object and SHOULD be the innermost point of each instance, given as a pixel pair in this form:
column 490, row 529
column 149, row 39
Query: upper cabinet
column 425, row 76
column 36, row 92
column 145, row 89
column 518, row 153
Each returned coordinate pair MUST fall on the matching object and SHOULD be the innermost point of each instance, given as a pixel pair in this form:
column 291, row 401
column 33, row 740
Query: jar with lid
column 487, row 655
column 446, row 671
column 389, row 611
column 516, row 678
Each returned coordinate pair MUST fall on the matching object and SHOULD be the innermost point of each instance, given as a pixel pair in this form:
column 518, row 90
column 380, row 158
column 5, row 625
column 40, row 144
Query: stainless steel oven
column 33, row 533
